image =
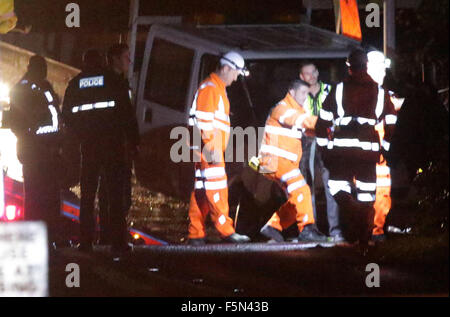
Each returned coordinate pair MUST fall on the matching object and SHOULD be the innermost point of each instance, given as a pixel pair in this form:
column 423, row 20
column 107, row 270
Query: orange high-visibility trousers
column 383, row 201
column 210, row 196
column 298, row 208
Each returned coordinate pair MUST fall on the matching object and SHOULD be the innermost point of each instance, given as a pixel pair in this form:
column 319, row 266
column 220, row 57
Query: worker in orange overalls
column 280, row 154
column 376, row 68
column 209, row 116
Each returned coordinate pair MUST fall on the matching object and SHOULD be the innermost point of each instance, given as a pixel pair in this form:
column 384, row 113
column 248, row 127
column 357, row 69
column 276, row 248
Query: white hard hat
column 235, row 61
column 378, row 58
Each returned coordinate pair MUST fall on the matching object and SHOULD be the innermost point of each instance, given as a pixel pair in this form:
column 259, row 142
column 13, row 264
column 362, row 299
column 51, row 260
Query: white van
column 177, row 58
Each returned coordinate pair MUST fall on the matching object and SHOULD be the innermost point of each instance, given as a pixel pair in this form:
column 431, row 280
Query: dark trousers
column 310, row 163
column 353, row 185
column 42, row 196
column 103, row 202
column 112, row 163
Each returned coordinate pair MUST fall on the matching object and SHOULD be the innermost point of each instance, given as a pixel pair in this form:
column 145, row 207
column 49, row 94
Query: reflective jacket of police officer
column 97, row 108
column 35, row 115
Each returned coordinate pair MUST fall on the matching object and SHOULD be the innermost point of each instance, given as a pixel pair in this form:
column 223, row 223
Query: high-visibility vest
column 314, row 104
column 42, row 108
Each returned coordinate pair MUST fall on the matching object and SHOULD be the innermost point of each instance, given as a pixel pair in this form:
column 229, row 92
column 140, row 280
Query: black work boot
column 236, row 238
column 365, row 223
column 273, row 234
column 338, row 238
column 378, row 238
column 310, row 233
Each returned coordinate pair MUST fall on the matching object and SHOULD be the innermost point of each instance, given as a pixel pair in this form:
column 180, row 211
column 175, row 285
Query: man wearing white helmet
column 376, row 68
column 209, row 116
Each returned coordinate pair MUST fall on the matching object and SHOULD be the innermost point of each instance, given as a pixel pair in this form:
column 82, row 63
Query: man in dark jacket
column 118, row 58
column 35, row 120
column 346, row 132
column 97, row 109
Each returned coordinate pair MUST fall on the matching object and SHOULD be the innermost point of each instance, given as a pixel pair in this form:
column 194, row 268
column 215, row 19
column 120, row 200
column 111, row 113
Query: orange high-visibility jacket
column 210, row 114
column 283, row 132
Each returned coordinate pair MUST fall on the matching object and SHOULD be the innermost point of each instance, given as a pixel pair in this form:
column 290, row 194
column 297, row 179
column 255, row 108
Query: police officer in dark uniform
column 118, row 58
column 97, row 109
column 35, row 120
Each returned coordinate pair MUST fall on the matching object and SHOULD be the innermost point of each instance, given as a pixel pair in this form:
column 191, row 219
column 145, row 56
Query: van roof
column 269, row 41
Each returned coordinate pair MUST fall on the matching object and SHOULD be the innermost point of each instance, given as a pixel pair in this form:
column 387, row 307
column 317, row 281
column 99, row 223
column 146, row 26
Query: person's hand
column 309, row 122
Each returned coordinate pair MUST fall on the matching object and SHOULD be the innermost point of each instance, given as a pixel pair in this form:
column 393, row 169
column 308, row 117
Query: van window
column 208, row 64
column 267, row 84
column 168, row 74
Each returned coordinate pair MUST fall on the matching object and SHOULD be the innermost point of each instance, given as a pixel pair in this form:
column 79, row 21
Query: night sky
column 113, row 14
column 107, row 20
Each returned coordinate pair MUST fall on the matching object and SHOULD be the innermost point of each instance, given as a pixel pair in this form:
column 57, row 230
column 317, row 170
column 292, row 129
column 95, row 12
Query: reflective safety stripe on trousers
column 296, row 185
column 93, row 106
column 365, row 197
column 207, row 185
column 383, row 176
column 210, row 173
column 366, row 186
column 336, row 186
column 292, row 174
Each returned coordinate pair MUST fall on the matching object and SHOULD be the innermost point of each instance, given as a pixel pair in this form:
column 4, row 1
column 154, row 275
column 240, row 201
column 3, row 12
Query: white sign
column 23, row 259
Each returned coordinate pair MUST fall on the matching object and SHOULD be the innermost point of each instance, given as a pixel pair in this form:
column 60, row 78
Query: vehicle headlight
column 4, row 92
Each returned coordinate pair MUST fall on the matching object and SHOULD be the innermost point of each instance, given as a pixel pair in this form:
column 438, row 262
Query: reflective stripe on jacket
column 97, row 107
column 210, row 114
column 283, row 132
column 346, row 124
column 35, row 119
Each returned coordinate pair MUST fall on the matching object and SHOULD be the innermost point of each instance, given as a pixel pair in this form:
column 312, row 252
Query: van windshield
column 267, row 84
